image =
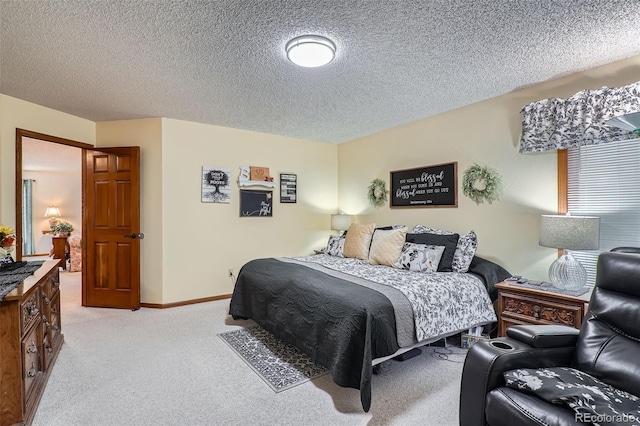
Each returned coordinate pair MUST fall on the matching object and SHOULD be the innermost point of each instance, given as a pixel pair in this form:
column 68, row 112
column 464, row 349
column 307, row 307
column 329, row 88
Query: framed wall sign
column 288, row 188
column 431, row 186
column 216, row 185
column 256, row 203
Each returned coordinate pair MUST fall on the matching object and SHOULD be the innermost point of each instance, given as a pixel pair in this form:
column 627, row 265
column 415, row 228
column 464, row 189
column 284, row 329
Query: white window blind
column 604, row 181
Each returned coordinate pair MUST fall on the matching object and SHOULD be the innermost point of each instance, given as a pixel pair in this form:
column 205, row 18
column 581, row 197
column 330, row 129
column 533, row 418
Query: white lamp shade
column 341, row 222
column 311, row 51
column 570, row 232
column 52, row 211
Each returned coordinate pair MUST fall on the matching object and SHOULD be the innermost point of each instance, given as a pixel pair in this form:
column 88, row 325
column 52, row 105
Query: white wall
column 486, row 133
column 55, row 188
column 189, row 245
column 204, row 240
column 16, row 113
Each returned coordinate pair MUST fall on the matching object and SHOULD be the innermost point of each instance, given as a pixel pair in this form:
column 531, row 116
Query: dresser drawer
column 50, row 284
column 47, row 349
column 32, row 364
column 51, row 319
column 540, row 310
column 30, row 309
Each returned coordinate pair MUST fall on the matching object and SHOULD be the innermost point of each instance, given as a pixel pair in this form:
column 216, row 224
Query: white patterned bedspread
column 442, row 302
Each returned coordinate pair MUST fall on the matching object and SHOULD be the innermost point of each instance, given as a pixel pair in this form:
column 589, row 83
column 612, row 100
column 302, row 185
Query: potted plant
column 62, row 229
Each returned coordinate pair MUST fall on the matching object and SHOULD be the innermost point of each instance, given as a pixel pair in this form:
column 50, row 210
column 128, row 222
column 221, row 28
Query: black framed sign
column 256, row 203
column 288, row 187
column 431, row 186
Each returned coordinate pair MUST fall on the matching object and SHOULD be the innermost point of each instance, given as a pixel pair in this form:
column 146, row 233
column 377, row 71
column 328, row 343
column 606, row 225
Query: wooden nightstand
column 60, row 250
column 523, row 305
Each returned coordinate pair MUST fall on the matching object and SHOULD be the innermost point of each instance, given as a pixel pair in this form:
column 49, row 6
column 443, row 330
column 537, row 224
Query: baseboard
column 184, row 302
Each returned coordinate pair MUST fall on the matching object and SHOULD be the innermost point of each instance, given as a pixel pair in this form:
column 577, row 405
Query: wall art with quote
column 431, row 186
column 216, row 185
column 288, row 187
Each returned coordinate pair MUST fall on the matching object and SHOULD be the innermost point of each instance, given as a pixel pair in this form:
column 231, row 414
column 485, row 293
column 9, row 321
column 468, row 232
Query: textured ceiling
column 44, row 156
column 223, row 62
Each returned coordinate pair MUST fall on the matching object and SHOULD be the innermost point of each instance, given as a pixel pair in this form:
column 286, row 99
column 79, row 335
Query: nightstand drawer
column 541, row 310
column 522, row 305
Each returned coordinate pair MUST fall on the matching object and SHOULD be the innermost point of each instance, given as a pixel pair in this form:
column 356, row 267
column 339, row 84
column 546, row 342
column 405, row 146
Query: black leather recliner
column 607, row 347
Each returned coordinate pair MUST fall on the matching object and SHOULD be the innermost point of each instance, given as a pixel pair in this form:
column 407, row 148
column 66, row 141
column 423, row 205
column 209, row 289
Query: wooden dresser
column 522, row 305
column 30, row 340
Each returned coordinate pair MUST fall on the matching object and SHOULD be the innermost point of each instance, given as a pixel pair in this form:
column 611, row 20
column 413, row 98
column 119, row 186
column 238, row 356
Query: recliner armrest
column 485, row 363
column 544, row 336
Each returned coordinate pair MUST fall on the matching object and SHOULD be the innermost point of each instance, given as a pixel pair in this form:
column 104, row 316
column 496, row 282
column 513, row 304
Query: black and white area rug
column 280, row 365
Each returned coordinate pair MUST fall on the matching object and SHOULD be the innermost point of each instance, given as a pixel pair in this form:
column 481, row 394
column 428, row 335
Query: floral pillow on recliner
column 592, row 400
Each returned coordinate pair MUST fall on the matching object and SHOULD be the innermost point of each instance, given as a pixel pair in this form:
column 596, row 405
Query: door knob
column 134, row 236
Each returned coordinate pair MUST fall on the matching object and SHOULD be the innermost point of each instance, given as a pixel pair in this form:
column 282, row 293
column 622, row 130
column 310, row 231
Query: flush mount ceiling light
column 311, row 51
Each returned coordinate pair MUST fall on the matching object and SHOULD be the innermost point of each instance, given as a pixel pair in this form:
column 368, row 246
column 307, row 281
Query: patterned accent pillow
column 386, row 246
column 420, row 257
column 335, row 246
column 465, row 250
column 587, row 396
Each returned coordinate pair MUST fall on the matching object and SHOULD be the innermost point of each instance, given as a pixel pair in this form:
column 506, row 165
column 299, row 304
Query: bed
column 349, row 315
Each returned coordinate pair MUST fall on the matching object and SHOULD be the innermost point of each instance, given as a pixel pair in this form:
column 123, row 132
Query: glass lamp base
column 567, row 273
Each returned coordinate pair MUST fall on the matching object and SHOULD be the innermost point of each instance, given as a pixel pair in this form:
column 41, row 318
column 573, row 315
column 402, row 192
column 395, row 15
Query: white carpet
column 168, row 367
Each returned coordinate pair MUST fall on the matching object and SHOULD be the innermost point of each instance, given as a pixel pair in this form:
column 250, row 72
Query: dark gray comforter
column 340, row 325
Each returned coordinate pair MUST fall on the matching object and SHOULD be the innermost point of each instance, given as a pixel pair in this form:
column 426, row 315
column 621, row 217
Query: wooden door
column 111, row 228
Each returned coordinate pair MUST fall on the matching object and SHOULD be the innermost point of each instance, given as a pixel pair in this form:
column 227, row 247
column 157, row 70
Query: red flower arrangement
column 7, row 238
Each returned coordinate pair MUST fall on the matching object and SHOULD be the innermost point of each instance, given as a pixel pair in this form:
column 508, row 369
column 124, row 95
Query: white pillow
column 420, row 257
column 386, row 246
column 358, row 240
column 465, row 250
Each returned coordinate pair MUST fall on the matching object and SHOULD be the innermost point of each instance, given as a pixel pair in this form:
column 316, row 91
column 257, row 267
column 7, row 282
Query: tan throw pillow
column 386, row 246
column 358, row 240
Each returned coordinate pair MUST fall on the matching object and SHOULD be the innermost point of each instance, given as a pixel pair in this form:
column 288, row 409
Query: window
column 604, row 180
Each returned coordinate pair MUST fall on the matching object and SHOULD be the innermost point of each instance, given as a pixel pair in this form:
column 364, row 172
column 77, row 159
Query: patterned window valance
column 565, row 123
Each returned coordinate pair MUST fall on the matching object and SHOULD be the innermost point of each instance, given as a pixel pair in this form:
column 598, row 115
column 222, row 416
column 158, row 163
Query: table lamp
column 341, row 222
column 569, row 233
column 53, row 214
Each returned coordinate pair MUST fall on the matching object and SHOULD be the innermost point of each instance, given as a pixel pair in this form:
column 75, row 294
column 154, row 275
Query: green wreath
column 377, row 193
column 481, row 184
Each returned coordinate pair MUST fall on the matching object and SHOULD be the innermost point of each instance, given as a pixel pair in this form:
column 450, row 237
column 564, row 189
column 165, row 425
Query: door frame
column 21, row 133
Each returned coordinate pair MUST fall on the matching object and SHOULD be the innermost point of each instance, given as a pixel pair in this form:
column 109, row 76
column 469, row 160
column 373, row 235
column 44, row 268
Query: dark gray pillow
column 450, row 242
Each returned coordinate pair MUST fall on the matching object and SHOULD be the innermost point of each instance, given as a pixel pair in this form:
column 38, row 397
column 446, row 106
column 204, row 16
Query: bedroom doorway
column 48, row 173
column 110, row 220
